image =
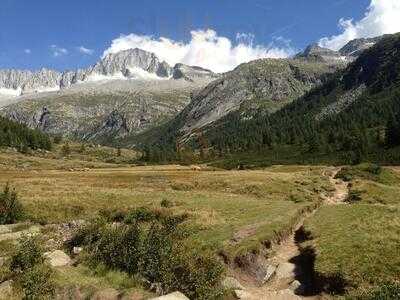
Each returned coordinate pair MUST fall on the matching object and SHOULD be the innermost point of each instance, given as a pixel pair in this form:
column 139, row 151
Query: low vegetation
column 155, row 246
column 356, row 244
column 10, row 208
column 33, row 277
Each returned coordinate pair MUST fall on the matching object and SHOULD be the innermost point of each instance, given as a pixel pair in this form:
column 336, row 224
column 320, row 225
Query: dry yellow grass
column 221, row 204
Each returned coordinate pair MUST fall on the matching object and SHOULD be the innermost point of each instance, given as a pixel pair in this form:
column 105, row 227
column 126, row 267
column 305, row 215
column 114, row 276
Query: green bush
column 10, row 208
column 166, row 203
column 354, row 196
column 141, row 214
column 29, row 253
column 153, row 245
column 38, row 282
column 35, row 277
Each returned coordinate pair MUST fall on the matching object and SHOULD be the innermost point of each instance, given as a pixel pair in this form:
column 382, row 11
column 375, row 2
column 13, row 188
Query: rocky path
column 291, row 274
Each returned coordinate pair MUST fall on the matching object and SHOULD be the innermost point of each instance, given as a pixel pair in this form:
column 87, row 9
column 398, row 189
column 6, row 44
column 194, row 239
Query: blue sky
column 33, row 32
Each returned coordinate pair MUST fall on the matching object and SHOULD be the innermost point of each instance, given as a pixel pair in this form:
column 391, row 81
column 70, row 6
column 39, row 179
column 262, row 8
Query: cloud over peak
column 381, row 17
column 205, row 49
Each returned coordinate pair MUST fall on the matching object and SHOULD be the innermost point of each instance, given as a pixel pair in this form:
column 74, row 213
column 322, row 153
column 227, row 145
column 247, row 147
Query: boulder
column 172, row 296
column 297, row 287
column 58, row 258
column 230, row 283
column 269, row 272
column 285, row 270
column 107, row 294
column 6, row 289
column 77, row 250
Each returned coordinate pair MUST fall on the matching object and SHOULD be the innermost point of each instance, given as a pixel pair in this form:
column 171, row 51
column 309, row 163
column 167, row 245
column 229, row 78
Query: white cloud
column 27, row 51
column 206, row 49
column 381, row 17
column 85, row 50
column 58, row 51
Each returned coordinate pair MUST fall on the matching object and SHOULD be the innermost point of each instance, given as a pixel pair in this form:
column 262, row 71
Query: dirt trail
column 293, row 274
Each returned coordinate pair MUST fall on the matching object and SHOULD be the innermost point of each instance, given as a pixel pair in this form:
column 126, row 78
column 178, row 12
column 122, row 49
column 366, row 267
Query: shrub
column 166, row 203
column 373, row 169
column 141, row 214
column 153, row 245
column 113, row 215
column 29, row 253
column 354, row 196
column 10, row 208
column 38, row 282
column 65, row 149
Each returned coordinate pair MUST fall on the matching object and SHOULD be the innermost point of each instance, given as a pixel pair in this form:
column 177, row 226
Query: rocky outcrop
column 354, row 48
column 125, row 62
column 190, row 73
column 58, row 258
column 316, row 53
column 343, row 56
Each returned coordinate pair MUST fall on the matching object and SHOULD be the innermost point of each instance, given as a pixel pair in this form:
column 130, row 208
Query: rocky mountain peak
column 355, row 47
column 191, row 73
column 315, row 52
column 128, row 60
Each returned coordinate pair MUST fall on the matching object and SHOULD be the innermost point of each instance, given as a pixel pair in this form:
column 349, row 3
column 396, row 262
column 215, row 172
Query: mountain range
column 130, row 96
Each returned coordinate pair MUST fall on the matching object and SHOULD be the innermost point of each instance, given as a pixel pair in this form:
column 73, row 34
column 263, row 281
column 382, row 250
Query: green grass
column 359, row 243
column 91, row 280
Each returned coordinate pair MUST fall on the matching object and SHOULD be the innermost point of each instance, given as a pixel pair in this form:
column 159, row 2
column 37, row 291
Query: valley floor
column 280, row 212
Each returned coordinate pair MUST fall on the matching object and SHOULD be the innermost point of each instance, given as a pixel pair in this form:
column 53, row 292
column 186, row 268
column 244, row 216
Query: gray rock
column 230, row 283
column 6, row 289
column 269, row 272
column 77, row 250
column 297, row 287
column 191, row 73
column 58, row 258
column 172, row 296
column 34, row 230
column 285, row 270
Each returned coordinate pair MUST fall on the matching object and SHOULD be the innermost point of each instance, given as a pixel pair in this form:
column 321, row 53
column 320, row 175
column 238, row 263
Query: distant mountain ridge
column 128, row 64
column 344, row 55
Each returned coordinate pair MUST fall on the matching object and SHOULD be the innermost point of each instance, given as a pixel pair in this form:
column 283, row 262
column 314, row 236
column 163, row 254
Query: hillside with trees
column 22, row 138
column 355, row 116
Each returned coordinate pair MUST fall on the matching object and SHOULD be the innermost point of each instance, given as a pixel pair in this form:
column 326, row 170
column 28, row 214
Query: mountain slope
column 345, row 115
column 122, row 95
column 262, row 86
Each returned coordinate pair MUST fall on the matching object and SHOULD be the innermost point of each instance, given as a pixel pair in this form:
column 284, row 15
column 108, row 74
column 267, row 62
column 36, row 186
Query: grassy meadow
column 230, row 210
column 357, row 244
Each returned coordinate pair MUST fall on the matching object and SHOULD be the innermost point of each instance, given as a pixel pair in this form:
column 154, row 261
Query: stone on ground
column 285, row 270
column 230, row 283
column 107, row 294
column 296, row 287
column 58, row 258
column 269, row 272
column 172, row 296
column 6, row 289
